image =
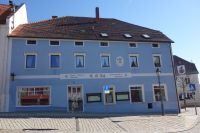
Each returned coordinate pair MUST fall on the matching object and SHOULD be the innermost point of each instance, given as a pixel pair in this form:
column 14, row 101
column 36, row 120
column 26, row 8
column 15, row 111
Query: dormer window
column 79, row 43
column 146, row 36
column 127, row 36
column 31, row 42
column 104, row 34
column 155, row 45
column 54, row 43
column 104, row 44
column 132, row 45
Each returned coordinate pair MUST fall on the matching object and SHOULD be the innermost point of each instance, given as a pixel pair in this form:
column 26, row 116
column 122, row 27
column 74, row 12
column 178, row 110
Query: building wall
column 20, row 17
column 44, row 76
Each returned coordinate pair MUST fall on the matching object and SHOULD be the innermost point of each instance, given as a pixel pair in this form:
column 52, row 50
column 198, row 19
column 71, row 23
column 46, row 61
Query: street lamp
column 161, row 94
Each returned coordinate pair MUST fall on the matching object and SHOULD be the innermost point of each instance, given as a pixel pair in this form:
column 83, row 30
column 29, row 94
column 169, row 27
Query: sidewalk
column 131, row 124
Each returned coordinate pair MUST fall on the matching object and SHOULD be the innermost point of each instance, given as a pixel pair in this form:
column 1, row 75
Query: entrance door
column 75, row 100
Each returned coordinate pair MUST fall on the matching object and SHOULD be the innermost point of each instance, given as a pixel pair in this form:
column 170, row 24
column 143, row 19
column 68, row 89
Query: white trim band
column 91, row 76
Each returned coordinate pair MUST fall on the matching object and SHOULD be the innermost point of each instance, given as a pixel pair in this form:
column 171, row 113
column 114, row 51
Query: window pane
column 157, row 93
column 79, row 60
column 31, row 41
column 79, row 43
column 156, row 60
column 54, row 43
column 34, row 96
column 122, row 96
column 55, row 61
column 136, row 94
column 30, row 61
column 104, row 44
column 132, row 44
column 133, row 61
column 93, row 97
column 105, row 61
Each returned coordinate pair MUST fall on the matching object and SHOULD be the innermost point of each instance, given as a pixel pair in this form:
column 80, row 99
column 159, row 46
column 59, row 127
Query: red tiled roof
column 85, row 28
column 5, row 11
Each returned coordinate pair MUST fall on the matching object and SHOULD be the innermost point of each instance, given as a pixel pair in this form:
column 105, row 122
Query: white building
column 189, row 75
column 11, row 16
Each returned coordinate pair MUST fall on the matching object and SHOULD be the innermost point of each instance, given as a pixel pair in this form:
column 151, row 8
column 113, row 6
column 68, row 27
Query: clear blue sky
column 178, row 19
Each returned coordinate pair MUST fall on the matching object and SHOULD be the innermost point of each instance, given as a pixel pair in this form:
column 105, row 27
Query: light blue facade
column 145, row 75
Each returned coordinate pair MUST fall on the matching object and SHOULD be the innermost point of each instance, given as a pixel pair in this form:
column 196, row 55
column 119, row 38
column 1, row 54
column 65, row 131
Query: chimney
column 97, row 14
column 54, row 17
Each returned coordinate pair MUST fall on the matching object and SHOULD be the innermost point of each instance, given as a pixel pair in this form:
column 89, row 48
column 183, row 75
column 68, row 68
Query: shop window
column 34, row 96
column 122, row 96
column 136, row 94
column 158, row 91
column 93, row 97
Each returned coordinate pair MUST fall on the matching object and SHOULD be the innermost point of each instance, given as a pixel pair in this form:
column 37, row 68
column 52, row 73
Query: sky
column 178, row 19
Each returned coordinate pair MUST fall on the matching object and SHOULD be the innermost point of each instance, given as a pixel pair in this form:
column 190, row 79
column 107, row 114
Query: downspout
column 172, row 60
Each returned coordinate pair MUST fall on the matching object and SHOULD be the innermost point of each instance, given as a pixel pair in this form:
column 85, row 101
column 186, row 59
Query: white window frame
column 160, row 59
column 104, row 46
column 81, row 54
column 114, row 96
column 143, row 95
column 109, row 57
column 155, row 43
column 31, row 40
column 25, row 54
column 129, row 56
column 54, row 45
column 50, row 60
column 79, row 45
column 135, row 44
column 165, row 90
column 18, row 98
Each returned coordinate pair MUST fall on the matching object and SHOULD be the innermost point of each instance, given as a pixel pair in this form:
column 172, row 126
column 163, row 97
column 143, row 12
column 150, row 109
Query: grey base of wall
column 190, row 103
column 72, row 115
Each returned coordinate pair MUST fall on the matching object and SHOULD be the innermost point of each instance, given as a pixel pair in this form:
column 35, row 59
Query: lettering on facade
column 95, row 75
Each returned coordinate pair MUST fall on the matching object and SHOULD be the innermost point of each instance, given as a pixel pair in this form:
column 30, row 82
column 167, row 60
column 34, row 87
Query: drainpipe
column 173, row 66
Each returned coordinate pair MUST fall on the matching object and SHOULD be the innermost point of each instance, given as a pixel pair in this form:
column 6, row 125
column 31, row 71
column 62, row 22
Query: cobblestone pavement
column 133, row 124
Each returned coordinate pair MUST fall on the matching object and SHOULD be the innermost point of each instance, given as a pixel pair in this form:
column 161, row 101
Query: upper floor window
column 136, row 92
column 155, row 45
column 159, row 92
column 105, row 60
column 157, row 60
column 103, row 44
column 31, row 42
column 132, row 45
column 54, row 43
column 54, row 60
column 80, row 60
column 79, row 43
column 133, row 59
column 104, row 34
column 30, row 60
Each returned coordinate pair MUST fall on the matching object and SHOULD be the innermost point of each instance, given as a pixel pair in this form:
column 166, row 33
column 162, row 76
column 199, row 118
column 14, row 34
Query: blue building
column 90, row 65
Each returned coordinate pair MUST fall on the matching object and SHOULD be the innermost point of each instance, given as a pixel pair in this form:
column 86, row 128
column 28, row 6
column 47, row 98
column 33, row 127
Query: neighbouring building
column 90, row 65
column 190, row 76
column 10, row 17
